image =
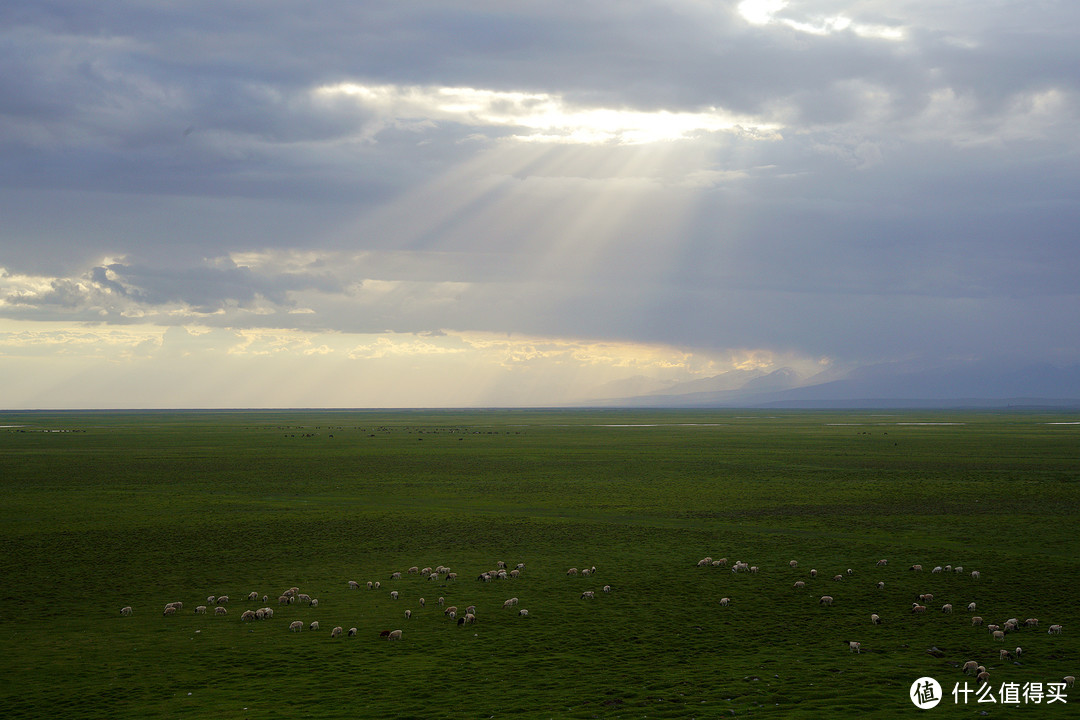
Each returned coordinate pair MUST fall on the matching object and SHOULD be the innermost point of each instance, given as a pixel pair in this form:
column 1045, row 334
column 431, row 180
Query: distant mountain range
column 889, row 385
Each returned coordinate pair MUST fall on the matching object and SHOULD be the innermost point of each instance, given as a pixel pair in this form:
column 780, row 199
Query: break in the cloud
column 817, row 183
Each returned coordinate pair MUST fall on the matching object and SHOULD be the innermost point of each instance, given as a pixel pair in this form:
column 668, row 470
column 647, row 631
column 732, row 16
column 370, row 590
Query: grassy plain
column 102, row 510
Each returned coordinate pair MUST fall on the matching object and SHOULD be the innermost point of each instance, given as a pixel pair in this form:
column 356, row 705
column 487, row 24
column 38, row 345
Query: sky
column 271, row 203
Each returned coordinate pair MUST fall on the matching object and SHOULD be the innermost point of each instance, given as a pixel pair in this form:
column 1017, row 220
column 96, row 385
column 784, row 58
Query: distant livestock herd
column 293, row 595
column 996, row 632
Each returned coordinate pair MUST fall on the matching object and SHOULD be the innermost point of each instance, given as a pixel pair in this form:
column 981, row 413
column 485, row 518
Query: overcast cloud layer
column 430, row 203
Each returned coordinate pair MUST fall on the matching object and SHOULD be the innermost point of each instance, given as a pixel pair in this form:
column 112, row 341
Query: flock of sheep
column 440, row 574
column 997, row 633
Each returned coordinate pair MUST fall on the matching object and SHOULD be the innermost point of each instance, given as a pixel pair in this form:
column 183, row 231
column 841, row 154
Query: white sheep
column 253, row 596
column 314, row 602
column 394, row 635
column 523, row 613
column 353, row 585
column 370, row 585
column 799, row 585
column 588, row 594
column 471, row 609
column 1031, row 622
column 606, row 588
column 813, row 573
column 126, row 610
column 1019, row 652
column 881, row 585
column 854, row 646
column 838, row 577
column 395, row 576
column 976, row 620
column 882, row 563
column 725, row 601
column 393, row 594
column 296, row 626
column 451, row 576
column 946, row 608
column 1070, row 680
column 875, row 618
column 825, row 600
column 983, row 677
column 352, row 632
column 1004, row 654
column 937, row 569
column 408, row 614
column 336, row 632
column 220, row 611
column 971, row 607
column 917, row 608
column 972, row 666
column 974, row 574
column 422, row 602
column 200, row 610
column 1054, row 630
column 414, row 570
column 469, row 618
column 572, row 571
column 999, row 635
column 450, row 610
column 314, row 625
column 223, row 600
column 958, row 569
column 210, row 599
column 304, row 597
column 511, row 602
column 246, row 615
column 794, row 563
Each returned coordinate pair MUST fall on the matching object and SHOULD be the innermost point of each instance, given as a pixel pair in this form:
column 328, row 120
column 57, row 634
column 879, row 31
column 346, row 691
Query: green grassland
column 102, row 510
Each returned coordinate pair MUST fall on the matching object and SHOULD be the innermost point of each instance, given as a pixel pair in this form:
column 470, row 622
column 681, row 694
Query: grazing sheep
column 799, row 584
column 572, row 571
column 794, row 563
column 451, row 576
column 469, row 618
column 433, row 576
column 260, row 614
column 352, row 632
column 515, row 573
column 882, row 563
column 1003, row 654
column 850, row 571
column 972, row 666
column 353, row 585
column 471, row 609
column 296, row 626
column 200, row 610
column 523, row 613
column 927, row 597
column 993, row 628
column 126, row 610
column 511, row 602
column 999, row 635
column 917, row 608
column 314, row 625
column 253, row 596
column 1054, row 630
column 704, row 561
column 314, row 602
column 408, row 614
column 855, row 647
column 1019, row 652
column 269, row 612
column 754, row 568
column 210, row 600
column 813, row 573
column 881, row 585
column 971, row 607
column 169, row 610
column 588, row 594
column 414, row 570
column 395, row 635
column 336, row 632
column 369, row 585
column 422, row 602
column 519, row 566
column 220, row 611
column 606, row 588
column 838, row 577
column 948, row 568
column 223, row 600
column 983, row 677
column 304, row 597
column 426, row 571
column 1070, row 680
column 976, row 620
column 958, row 569
column 284, row 600
column 376, row 586
column 936, row 569
column 441, row 601
column 916, row 568
column 825, row 600
column 875, row 618
column 725, row 601
column 946, row 608
column 395, row 576
column 974, row 574
column 1031, row 622
column 449, row 610
column 393, row 594
column 246, row 615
